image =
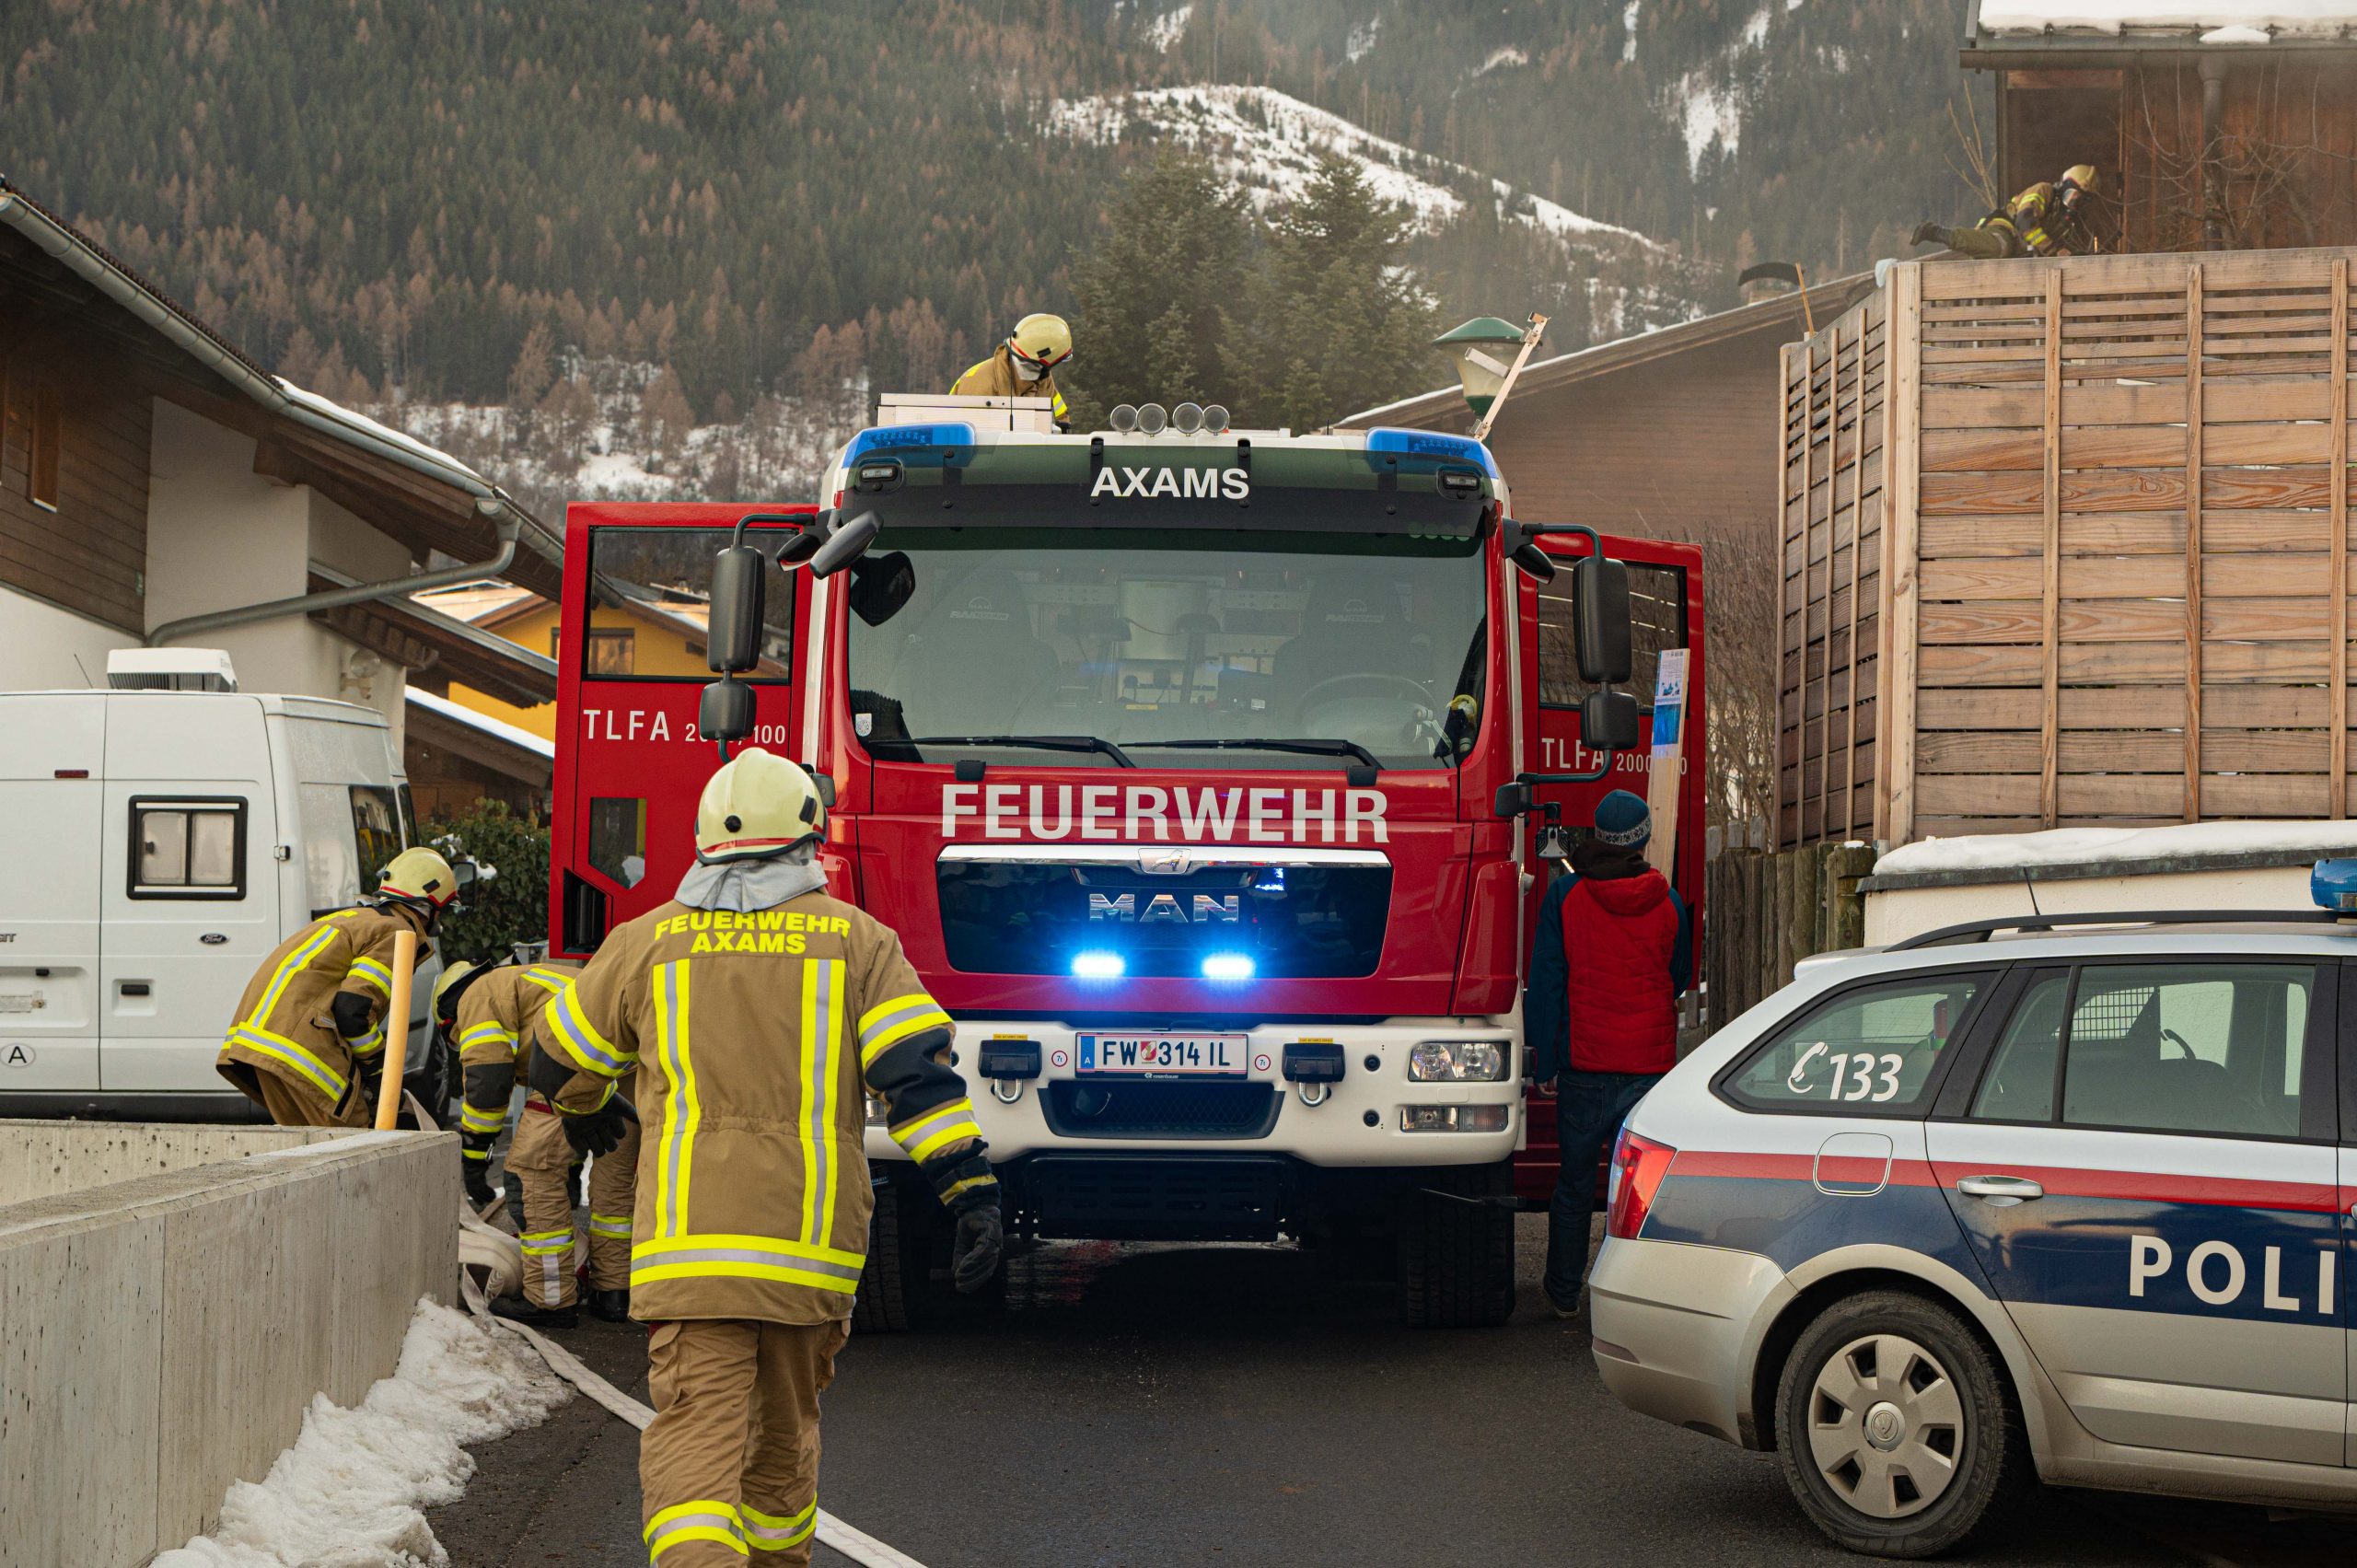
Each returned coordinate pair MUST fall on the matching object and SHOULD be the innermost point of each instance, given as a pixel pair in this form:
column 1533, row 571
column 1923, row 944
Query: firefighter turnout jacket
column 758, row 1038
column 2044, row 226
column 995, row 377
column 501, row 1021
column 313, row 1016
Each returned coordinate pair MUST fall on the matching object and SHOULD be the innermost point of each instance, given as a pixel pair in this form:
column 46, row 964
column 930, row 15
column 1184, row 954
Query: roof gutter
column 336, row 599
column 62, row 246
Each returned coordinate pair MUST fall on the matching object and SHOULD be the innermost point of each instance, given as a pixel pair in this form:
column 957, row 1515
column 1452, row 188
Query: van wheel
column 1455, row 1256
column 1895, row 1428
column 905, row 1285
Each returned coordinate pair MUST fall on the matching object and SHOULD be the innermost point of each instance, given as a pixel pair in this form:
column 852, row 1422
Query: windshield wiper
column 1043, row 742
column 1318, row 748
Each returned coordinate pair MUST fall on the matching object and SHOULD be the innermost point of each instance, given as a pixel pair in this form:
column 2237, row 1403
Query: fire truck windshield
column 1237, row 649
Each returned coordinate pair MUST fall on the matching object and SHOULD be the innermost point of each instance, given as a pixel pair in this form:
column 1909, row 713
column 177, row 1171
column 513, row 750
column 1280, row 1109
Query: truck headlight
column 1457, row 1061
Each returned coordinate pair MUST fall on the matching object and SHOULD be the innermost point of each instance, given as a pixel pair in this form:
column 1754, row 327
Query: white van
column 155, row 845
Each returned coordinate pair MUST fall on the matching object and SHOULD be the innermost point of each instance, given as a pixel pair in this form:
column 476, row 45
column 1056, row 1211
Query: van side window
column 188, row 847
column 376, row 831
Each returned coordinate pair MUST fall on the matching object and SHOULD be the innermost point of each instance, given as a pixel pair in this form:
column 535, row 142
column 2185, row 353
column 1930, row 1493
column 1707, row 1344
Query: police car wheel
column 1895, row 1428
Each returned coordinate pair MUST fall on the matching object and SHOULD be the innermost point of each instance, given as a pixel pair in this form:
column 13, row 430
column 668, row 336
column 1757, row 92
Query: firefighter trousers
column 729, row 1467
column 294, row 1104
column 540, row 1158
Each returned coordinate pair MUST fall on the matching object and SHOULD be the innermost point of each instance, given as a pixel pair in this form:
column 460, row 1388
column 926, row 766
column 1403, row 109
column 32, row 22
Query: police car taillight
column 1638, row 1165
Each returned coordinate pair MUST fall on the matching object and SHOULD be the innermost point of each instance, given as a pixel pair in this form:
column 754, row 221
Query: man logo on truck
column 1164, row 909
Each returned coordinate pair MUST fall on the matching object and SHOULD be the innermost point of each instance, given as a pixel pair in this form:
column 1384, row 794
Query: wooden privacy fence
column 1765, row 913
column 2118, row 521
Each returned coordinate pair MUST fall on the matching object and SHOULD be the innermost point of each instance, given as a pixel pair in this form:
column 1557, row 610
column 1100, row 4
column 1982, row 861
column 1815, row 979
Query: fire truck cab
column 1198, row 772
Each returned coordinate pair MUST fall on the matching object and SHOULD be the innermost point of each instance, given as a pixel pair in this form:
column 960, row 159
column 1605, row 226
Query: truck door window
column 376, row 831
column 650, row 604
column 618, row 838
column 185, row 848
column 1656, row 621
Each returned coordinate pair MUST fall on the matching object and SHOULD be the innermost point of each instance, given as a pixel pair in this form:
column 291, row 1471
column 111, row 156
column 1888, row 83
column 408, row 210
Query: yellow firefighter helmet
column 2080, row 180
column 450, row 987
column 757, row 805
column 1041, row 340
column 420, row 876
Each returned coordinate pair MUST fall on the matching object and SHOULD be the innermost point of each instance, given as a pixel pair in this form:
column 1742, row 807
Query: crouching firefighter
column 308, row 1042
column 760, row 1014
column 497, row 1018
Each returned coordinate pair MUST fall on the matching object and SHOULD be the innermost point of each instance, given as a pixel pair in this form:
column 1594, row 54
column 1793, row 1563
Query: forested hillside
column 613, row 222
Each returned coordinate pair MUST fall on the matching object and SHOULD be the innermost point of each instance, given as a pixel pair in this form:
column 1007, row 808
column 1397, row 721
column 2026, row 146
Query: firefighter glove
column 351, row 1010
column 599, row 1131
column 981, row 1239
column 479, row 1195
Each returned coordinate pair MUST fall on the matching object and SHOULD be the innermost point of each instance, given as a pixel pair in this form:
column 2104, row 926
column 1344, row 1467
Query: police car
column 2010, row 1198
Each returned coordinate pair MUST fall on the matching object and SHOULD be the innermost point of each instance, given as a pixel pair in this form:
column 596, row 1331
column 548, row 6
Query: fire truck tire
column 905, row 1286
column 1457, row 1257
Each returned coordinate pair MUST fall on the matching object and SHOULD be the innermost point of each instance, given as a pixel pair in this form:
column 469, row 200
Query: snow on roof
column 411, row 444
column 2218, row 21
column 498, row 728
column 474, row 601
column 2078, row 846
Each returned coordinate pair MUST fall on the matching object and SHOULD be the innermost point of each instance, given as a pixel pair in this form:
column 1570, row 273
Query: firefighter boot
column 1924, row 231
column 533, row 1317
column 610, row 1306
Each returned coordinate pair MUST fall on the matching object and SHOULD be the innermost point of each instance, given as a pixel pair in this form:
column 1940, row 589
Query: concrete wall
column 40, row 1160
column 162, row 1336
column 1895, row 915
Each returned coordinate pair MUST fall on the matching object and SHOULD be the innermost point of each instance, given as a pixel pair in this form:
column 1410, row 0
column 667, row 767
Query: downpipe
column 359, row 593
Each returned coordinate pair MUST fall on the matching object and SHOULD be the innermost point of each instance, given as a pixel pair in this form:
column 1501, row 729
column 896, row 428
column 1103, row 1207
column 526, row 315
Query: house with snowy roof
column 2218, row 125
column 161, row 487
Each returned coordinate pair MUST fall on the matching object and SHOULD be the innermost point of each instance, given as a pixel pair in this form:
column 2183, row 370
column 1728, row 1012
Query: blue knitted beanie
column 1622, row 819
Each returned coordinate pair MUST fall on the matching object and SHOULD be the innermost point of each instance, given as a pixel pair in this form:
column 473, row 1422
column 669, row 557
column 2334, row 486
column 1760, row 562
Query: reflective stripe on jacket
column 286, row 1023
column 500, row 1023
column 995, row 377
column 747, row 1033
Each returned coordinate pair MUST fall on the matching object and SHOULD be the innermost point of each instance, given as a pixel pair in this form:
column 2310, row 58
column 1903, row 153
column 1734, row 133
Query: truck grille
column 1097, row 1109
column 1134, row 1199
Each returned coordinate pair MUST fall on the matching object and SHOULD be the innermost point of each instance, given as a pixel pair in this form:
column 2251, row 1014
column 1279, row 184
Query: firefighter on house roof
column 2045, row 220
column 759, row 1015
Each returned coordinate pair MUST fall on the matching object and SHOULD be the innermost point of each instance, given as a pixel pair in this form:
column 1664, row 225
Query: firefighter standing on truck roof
column 760, row 1014
column 2045, row 220
column 497, row 1016
column 308, row 1042
column 1025, row 366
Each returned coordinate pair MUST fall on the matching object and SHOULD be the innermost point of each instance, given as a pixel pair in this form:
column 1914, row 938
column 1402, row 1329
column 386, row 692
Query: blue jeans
column 1589, row 1109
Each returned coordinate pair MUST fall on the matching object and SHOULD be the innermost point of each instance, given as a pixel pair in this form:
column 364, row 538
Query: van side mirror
column 1601, row 612
column 846, row 544
column 1609, row 721
column 725, row 713
column 734, row 645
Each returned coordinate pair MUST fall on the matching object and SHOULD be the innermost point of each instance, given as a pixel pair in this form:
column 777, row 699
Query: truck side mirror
column 725, row 713
column 850, row 540
column 734, row 645
column 1609, row 721
column 1601, row 612
column 1514, row 799
column 1536, row 563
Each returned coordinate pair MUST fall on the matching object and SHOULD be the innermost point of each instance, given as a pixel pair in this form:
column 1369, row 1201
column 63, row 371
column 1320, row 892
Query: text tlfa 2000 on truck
column 1200, row 775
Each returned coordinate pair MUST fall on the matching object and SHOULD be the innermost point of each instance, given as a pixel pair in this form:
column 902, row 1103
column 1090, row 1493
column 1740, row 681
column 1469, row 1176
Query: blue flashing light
column 2333, row 885
column 1229, row 967
column 918, row 445
column 1097, row 964
column 1431, row 445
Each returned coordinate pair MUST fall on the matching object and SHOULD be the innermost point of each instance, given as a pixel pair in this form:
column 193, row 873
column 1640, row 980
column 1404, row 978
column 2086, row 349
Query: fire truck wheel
column 906, row 1284
column 1456, row 1251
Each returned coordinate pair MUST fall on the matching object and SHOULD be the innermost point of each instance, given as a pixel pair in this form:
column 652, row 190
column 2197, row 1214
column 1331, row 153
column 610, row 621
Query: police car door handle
column 1999, row 1189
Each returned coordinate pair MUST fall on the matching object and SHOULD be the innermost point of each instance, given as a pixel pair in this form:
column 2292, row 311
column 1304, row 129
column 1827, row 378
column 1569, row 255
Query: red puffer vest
column 1617, row 938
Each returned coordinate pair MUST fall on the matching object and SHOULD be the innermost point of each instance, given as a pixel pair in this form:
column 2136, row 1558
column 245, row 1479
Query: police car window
column 2020, row 1084
column 2187, row 1048
column 1871, row 1049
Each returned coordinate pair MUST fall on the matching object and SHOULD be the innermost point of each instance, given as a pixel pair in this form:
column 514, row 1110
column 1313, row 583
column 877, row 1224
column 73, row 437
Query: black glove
column 479, row 1189
column 351, row 1011
column 973, row 1259
column 599, row 1132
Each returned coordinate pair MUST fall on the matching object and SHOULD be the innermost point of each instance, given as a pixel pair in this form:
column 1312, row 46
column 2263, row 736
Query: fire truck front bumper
column 1400, row 1093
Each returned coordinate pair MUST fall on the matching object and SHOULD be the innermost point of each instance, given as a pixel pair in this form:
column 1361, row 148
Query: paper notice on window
column 1665, row 768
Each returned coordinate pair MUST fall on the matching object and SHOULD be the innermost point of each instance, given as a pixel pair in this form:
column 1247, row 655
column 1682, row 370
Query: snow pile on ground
column 349, row 1492
column 2075, row 846
column 1270, row 142
column 2226, row 21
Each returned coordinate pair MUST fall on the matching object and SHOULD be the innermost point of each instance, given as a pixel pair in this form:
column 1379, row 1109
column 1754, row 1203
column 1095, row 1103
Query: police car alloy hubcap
column 1885, row 1425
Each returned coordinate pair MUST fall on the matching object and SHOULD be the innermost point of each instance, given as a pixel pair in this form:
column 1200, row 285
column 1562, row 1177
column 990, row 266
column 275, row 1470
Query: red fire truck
column 1200, row 775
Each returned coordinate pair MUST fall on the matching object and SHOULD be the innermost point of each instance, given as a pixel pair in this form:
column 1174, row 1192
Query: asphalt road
column 1140, row 1406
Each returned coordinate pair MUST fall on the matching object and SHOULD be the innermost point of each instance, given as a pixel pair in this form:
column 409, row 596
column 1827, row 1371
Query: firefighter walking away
column 308, row 1040
column 759, row 1015
column 2047, row 219
column 497, row 1018
column 1025, row 366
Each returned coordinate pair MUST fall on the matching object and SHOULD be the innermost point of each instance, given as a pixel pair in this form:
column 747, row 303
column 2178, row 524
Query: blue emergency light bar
column 1433, row 445
column 917, row 445
column 2333, row 885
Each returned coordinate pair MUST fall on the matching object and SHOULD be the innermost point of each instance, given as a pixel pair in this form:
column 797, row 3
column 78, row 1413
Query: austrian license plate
column 1164, row 1055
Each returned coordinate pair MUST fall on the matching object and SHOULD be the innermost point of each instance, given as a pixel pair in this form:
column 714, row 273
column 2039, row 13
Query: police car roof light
column 2333, row 885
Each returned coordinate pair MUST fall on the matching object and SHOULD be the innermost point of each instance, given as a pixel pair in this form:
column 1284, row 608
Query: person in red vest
column 1614, row 952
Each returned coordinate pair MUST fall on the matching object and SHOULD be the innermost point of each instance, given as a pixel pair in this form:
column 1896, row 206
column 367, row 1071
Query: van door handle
column 2002, row 1191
